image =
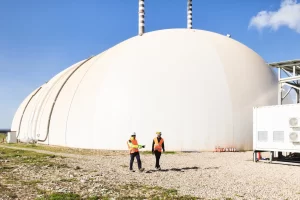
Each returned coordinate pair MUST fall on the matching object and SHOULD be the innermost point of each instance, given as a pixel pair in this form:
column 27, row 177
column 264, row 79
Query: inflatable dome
column 197, row 87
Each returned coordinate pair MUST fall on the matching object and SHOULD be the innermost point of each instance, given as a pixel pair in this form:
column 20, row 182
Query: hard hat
column 158, row 133
column 133, row 134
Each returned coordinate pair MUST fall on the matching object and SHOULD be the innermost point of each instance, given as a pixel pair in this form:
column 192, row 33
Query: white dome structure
column 197, row 87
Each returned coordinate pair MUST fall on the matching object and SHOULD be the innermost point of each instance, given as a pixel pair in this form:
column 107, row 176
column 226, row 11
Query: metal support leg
column 271, row 156
column 254, row 156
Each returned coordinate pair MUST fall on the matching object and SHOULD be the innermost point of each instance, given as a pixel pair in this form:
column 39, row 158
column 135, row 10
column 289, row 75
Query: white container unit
column 12, row 137
column 276, row 128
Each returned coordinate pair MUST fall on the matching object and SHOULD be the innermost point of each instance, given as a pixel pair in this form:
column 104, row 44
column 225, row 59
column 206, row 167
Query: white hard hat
column 133, row 134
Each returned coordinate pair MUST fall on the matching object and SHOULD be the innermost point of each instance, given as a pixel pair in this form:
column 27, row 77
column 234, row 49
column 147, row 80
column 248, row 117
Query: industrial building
column 197, row 87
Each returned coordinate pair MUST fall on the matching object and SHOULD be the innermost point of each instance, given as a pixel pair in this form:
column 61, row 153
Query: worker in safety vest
column 158, row 146
column 134, row 147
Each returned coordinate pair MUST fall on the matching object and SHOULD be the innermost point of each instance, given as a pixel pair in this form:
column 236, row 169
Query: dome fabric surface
column 196, row 87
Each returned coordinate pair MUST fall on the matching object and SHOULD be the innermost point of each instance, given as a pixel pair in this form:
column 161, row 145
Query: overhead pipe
column 189, row 14
column 23, row 112
column 141, row 17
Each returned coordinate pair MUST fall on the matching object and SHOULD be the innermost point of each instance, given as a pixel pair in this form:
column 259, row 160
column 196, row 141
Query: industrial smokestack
column 141, row 17
column 189, row 14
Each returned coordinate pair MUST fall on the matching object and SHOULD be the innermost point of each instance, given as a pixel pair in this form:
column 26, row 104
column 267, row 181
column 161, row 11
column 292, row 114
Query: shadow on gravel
column 173, row 169
column 212, row 168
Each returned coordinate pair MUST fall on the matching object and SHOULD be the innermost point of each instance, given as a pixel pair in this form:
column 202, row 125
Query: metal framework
column 291, row 69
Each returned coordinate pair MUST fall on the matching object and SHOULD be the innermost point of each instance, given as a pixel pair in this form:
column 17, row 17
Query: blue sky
column 38, row 38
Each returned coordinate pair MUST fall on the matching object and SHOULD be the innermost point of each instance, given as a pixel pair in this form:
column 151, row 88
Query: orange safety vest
column 158, row 145
column 133, row 147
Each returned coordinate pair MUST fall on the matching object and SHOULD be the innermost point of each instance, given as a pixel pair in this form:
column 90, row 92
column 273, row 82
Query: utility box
column 276, row 128
column 11, row 137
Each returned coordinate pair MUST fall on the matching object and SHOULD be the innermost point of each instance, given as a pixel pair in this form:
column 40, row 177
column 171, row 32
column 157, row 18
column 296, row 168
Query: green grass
column 31, row 183
column 93, row 198
column 11, row 159
column 68, row 196
column 15, row 157
column 60, row 196
column 139, row 191
column 13, row 180
column 5, row 191
column 129, row 191
column 61, row 149
column 2, row 135
column 68, row 180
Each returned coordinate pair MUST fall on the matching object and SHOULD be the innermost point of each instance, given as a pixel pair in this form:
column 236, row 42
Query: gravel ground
column 204, row 175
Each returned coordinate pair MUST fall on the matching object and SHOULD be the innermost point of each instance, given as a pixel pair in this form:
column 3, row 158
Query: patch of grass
column 120, row 192
column 2, row 136
column 7, row 192
column 6, row 168
column 93, row 198
column 27, row 157
column 31, row 146
column 41, row 192
column 13, row 159
column 31, row 183
column 68, row 196
column 68, row 180
column 60, row 196
column 60, row 149
column 138, row 191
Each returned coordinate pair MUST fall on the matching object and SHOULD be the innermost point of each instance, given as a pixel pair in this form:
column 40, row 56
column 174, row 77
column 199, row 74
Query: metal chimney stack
column 189, row 14
column 141, row 17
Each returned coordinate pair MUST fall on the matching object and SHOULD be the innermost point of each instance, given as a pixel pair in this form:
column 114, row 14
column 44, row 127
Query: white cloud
column 287, row 15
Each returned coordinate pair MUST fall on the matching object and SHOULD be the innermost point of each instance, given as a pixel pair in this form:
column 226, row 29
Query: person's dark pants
column 137, row 155
column 157, row 156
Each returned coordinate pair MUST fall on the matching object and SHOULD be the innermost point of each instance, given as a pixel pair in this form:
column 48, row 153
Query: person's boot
column 141, row 169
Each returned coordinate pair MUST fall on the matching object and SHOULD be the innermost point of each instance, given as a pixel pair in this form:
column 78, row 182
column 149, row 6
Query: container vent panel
column 278, row 136
column 262, row 136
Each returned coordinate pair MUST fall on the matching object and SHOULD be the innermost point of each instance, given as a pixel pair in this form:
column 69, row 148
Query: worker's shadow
column 174, row 169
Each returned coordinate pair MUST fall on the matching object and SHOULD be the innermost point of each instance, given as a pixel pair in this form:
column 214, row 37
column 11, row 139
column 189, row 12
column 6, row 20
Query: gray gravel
column 206, row 175
column 218, row 175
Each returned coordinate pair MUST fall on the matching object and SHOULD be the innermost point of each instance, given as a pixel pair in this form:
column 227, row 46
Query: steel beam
column 279, row 93
column 288, row 79
column 285, row 65
column 287, row 93
column 292, row 85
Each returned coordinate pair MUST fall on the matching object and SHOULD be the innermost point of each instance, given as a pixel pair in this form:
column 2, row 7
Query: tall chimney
column 141, row 17
column 189, row 14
